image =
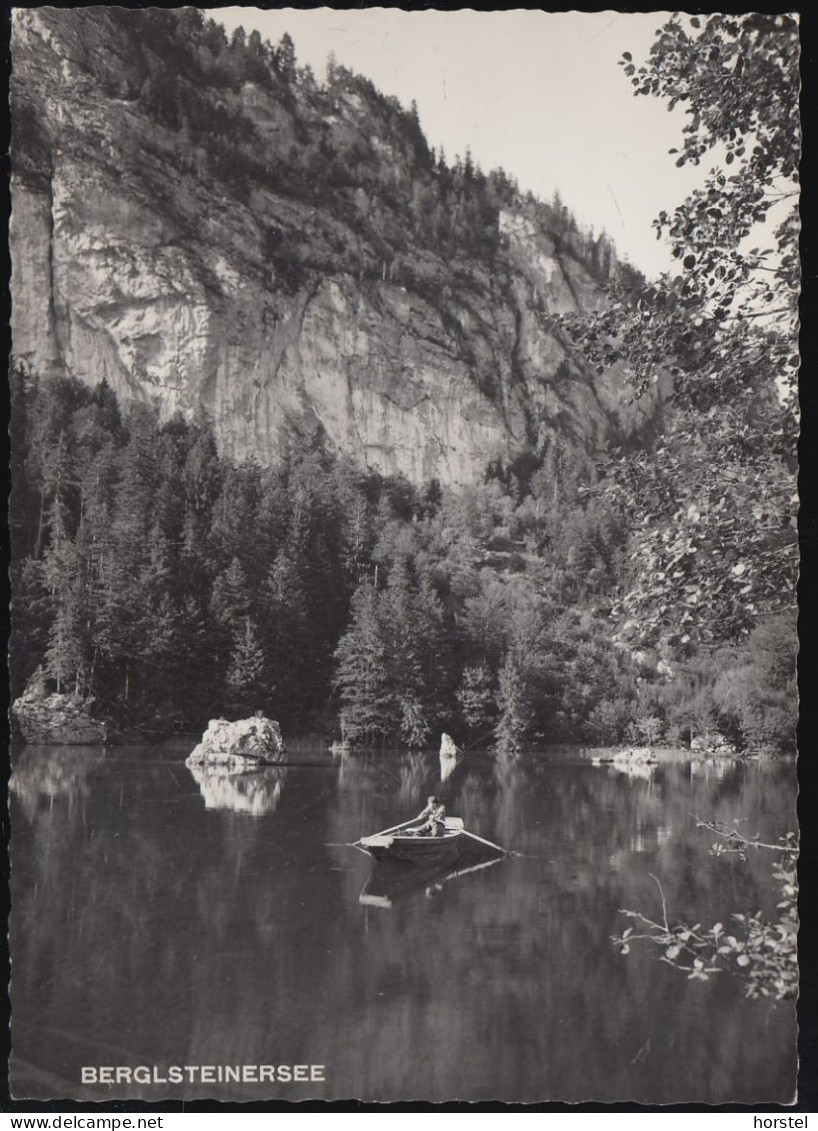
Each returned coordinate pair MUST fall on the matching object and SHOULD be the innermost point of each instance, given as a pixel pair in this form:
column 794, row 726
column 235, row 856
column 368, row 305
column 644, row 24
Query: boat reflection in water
column 245, row 791
column 391, row 881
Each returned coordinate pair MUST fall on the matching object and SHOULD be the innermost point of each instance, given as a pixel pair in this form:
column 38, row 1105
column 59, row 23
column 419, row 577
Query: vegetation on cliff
column 202, row 223
column 352, row 151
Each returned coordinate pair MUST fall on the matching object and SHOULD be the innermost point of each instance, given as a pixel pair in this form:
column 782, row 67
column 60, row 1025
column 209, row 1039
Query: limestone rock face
column 448, row 749
column 58, row 720
column 449, row 756
column 135, row 262
column 245, row 742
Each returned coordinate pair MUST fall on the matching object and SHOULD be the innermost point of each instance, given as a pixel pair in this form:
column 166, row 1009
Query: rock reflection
column 638, row 771
column 255, row 791
column 447, row 768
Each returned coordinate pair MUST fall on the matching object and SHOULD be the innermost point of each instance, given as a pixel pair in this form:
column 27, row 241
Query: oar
column 349, row 844
column 471, row 868
column 385, row 832
column 394, row 829
column 496, row 847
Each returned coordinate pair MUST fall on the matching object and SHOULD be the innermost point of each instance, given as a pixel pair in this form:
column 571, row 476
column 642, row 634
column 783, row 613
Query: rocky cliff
column 205, row 228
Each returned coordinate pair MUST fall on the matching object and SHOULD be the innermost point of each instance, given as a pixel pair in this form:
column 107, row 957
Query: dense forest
column 639, row 592
column 172, row 586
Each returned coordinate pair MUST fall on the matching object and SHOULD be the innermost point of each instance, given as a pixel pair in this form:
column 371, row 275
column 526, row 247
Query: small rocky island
column 240, row 745
column 55, row 719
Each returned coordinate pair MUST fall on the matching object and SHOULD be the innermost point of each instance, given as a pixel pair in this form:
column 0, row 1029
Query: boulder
column 54, row 719
column 635, row 756
column 712, row 744
column 240, row 744
column 448, row 749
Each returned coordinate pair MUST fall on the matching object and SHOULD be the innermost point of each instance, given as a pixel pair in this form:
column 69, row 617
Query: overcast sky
column 538, row 93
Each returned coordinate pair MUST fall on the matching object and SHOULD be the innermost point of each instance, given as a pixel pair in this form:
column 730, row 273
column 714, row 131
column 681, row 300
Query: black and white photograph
column 403, row 443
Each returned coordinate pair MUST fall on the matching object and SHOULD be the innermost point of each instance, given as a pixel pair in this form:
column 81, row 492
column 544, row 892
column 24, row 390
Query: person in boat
column 434, row 817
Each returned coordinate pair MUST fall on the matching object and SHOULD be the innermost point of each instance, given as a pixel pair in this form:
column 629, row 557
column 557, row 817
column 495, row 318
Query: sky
column 538, row 93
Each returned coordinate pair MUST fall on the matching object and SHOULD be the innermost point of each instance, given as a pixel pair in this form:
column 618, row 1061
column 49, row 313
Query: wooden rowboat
column 400, row 845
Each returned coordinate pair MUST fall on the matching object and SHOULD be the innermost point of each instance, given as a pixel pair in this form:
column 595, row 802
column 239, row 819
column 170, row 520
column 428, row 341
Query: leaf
column 742, row 960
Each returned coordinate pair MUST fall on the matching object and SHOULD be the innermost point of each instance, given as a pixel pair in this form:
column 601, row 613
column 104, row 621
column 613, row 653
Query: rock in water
column 245, row 742
column 448, row 749
column 57, row 720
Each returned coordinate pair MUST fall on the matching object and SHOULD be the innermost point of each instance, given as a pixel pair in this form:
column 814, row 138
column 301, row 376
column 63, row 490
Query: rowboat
column 399, row 844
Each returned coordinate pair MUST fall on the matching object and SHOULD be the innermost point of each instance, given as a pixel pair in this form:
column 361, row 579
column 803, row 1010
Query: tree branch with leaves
column 714, row 340
column 762, row 953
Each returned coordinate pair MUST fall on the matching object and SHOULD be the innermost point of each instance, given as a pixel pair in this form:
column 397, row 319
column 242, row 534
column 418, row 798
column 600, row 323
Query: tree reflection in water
column 149, row 928
column 41, row 774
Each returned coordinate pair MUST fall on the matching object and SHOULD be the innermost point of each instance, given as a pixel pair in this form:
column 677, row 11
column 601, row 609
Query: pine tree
column 61, row 575
column 285, row 58
column 199, row 679
column 283, row 627
column 64, row 653
column 22, row 499
column 246, row 687
column 475, row 696
column 402, row 632
column 362, row 678
column 230, row 603
column 234, row 522
column 512, row 700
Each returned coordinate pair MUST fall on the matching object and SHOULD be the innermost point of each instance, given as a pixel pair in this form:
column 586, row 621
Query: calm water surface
column 162, row 917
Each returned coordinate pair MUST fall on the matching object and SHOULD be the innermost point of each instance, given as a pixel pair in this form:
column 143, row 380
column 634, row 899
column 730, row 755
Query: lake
column 163, row 917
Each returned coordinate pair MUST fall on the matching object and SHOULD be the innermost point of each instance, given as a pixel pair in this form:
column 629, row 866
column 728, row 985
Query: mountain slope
column 202, row 226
